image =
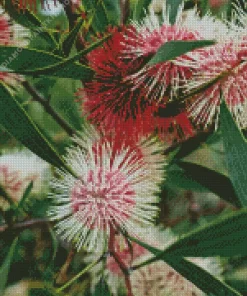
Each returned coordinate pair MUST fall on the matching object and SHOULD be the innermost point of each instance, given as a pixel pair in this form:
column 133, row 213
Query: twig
column 125, row 8
column 62, row 275
column 119, row 261
column 24, row 225
column 48, row 108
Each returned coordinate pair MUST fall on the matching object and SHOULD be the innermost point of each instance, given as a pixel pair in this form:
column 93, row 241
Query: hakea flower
column 11, row 35
column 115, row 189
column 126, row 93
column 224, row 69
column 17, row 170
column 160, row 279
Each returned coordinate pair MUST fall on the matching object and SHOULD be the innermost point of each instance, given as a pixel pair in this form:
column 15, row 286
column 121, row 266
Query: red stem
column 119, row 261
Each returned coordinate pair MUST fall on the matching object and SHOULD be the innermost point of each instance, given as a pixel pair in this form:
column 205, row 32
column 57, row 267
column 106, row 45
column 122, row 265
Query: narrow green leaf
column 17, row 122
column 28, row 19
column 201, row 278
column 102, row 289
column 4, row 270
column 56, row 68
column 102, row 13
column 140, row 8
column 173, row 7
column 177, row 178
column 225, row 237
column 212, row 180
column 25, row 196
column 173, row 49
column 32, row 61
column 236, row 153
column 70, row 39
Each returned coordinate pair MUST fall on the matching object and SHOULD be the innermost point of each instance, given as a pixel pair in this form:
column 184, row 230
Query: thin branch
column 24, row 225
column 125, row 8
column 48, row 108
column 62, row 275
column 119, row 261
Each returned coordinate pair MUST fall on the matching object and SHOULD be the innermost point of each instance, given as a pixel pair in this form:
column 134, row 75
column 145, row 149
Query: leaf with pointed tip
column 173, row 8
column 102, row 289
column 214, row 181
column 173, row 49
column 195, row 274
column 140, row 8
column 224, row 237
column 17, row 122
column 32, row 61
column 236, row 153
column 70, row 39
column 4, row 269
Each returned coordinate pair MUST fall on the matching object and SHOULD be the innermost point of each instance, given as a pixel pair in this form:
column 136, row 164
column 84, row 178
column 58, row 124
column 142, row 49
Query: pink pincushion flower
column 225, row 67
column 5, row 31
column 17, row 170
column 217, row 3
column 10, row 35
column 115, row 189
column 160, row 279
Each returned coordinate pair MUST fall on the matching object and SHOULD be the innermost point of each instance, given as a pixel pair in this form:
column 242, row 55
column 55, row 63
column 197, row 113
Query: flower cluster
column 132, row 96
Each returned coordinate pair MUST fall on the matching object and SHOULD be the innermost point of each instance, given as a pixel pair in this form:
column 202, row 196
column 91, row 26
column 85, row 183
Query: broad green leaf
column 70, row 39
column 225, row 237
column 28, row 19
column 173, row 49
column 32, row 61
column 17, row 122
column 4, row 269
column 236, row 153
column 140, row 9
column 201, row 278
column 210, row 179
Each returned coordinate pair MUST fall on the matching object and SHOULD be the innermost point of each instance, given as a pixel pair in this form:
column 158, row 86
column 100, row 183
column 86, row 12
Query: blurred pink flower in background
column 217, row 3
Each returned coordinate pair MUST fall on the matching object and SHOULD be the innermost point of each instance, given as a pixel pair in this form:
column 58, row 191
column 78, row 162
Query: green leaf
column 173, row 49
column 236, row 153
column 28, row 19
column 212, row 180
column 177, row 178
column 140, row 8
column 25, row 196
column 102, row 289
column 225, row 237
column 102, row 13
column 31, row 62
column 201, row 278
column 70, row 39
column 4, row 270
column 60, row 66
column 173, row 7
column 17, row 122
